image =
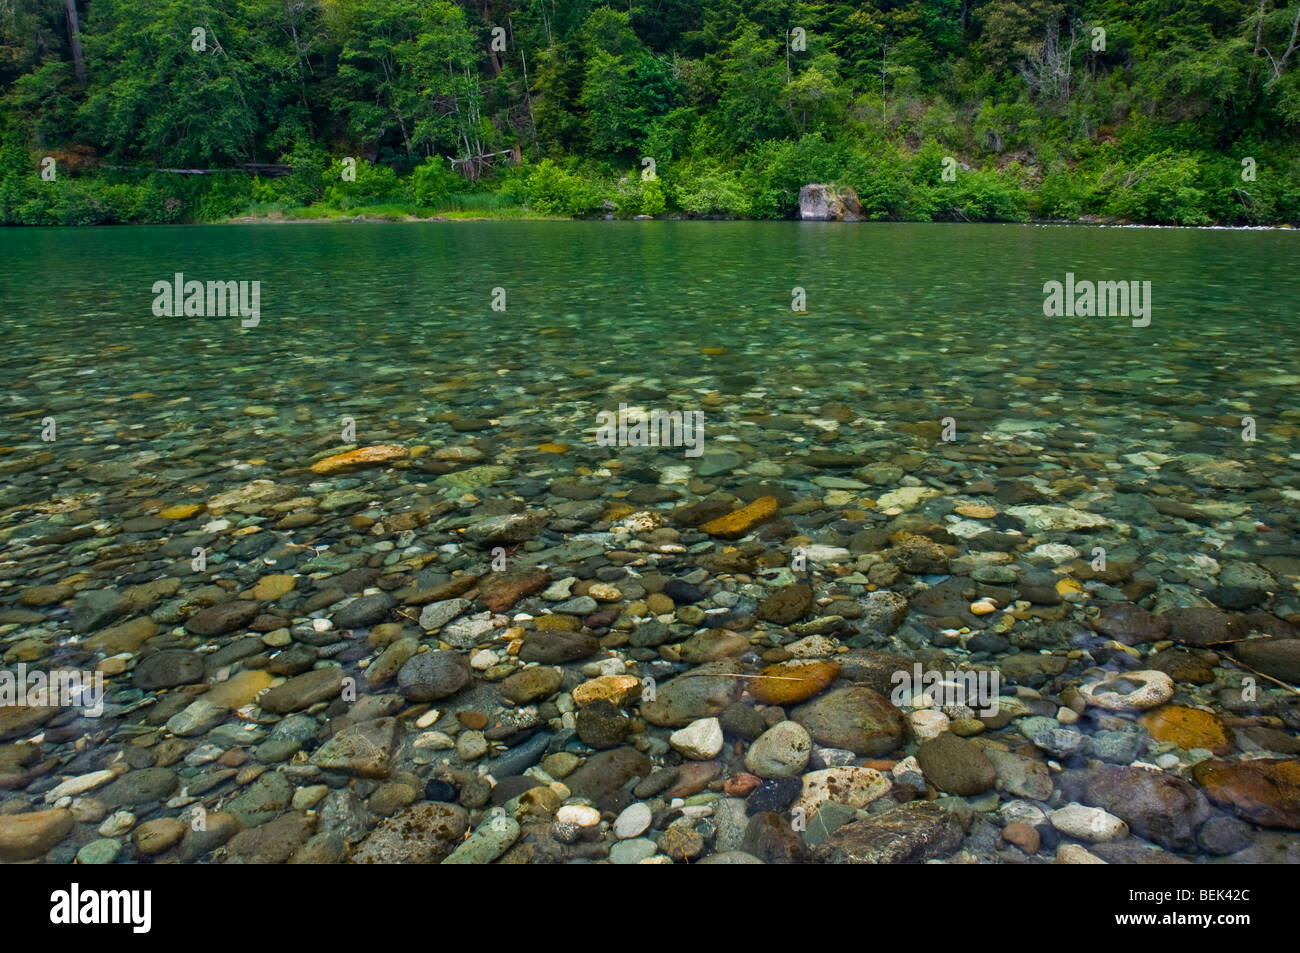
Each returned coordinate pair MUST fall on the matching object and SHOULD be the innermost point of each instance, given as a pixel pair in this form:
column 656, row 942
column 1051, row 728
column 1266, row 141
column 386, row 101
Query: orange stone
column 741, row 785
column 553, row 447
column 975, row 511
column 358, row 459
column 1188, row 728
column 790, row 683
column 739, row 522
column 1264, row 791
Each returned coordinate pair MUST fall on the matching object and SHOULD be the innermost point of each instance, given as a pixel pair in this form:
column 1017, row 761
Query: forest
column 1182, row 112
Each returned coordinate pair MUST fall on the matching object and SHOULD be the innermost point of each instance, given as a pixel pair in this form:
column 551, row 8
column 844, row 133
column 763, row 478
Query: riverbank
column 521, row 214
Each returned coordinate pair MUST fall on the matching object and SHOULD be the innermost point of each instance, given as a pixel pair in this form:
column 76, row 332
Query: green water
column 917, row 321
column 896, row 430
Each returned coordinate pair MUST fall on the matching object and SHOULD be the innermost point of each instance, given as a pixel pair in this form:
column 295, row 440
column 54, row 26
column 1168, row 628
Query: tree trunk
column 74, row 40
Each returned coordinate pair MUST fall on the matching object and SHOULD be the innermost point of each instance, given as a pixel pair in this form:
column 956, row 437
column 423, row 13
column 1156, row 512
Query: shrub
column 373, row 185
column 434, row 183
column 553, row 189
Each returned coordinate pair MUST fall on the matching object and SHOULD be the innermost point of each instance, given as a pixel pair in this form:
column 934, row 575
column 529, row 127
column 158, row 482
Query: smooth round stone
column 780, row 752
column 632, row 851
column 101, row 851
column 634, row 821
column 305, row 799
column 117, row 824
column 579, row 815
column 471, row 745
column 928, row 723
column 1088, row 823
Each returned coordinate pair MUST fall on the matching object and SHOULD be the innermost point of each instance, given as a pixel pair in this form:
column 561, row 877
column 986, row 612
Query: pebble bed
column 474, row 635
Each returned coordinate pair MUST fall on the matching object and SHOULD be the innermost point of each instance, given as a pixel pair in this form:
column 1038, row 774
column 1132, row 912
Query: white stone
column 813, row 646
column 1042, row 519
column 1130, row 691
column 580, row 815
column 558, row 591
column 818, row 553
column 928, row 723
column 1091, row 824
column 856, row 787
column 1024, row 812
column 634, row 821
column 117, row 824
column 434, row 741
column 1055, row 553
column 483, row 660
column 906, row 496
column 699, row 741
column 79, row 785
column 1074, row 854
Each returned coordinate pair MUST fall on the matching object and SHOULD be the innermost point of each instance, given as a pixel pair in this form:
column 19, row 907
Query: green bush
column 1160, row 188
column 555, row 190
column 1063, row 194
column 373, row 185
column 305, row 184
column 434, row 183
column 700, row 189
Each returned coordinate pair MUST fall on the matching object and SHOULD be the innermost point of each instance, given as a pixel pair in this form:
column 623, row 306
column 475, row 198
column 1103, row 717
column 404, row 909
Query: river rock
column 856, row 718
column 1090, row 824
column 1130, row 624
column 787, row 604
column 507, row 529
column 1156, row 806
column 780, row 752
column 1264, row 792
column 911, row 834
column 138, row 787
column 222, row 618
column 167, row 669
column 363, row 750
column 829, row 203
column 704, row 692
column 429, row 676
column 359, row 459
column 1203, row 626
column 606, row 772
column 30, row 835
column 489, row 841
column 423, row 834
column 532, row 684
column 955, row 765
column 790, row 683
column 1130, row 691
column 303, row 691
column 770, row 838
column 846, row 784
column 97, row 608
column 437, row 614
column 700, row 740
column 1277, row 657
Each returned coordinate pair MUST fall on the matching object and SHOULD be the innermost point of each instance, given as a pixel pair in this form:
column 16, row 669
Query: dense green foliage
column 929, row 109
